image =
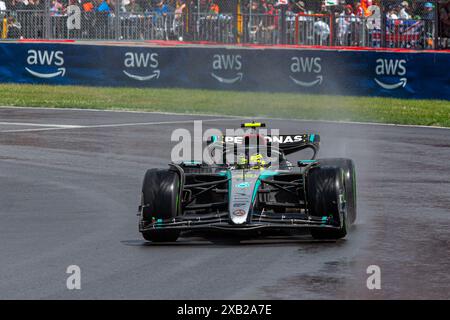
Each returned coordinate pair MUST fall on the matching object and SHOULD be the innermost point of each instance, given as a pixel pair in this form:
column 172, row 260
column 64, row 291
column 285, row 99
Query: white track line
column 234, row 117
column 114, row 125
column 358, row 123
column 40, row 129
column 38, row 124
column 158, row 123
column 126, row 111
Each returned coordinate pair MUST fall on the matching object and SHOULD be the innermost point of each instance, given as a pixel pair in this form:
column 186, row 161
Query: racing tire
column 348, row 166
column 160, row 201
column 325, row 189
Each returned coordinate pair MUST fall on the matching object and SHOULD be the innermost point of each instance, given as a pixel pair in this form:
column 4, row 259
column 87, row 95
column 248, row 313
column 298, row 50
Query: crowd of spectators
column 345, row 14
column 394, row 9
column 60, row 6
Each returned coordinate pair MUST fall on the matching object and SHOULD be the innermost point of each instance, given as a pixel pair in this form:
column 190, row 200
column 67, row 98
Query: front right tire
column 160, row 191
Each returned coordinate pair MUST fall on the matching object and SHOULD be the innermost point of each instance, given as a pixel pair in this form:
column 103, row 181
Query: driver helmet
column 256, row 161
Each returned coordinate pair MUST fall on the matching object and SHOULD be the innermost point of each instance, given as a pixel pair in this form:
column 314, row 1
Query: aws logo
column 42, row 59
column 392, row 68
column 141, row 66
column 227, row 68
column 311, row 66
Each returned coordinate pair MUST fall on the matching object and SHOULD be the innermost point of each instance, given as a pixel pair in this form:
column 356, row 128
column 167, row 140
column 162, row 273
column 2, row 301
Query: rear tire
column 325, row 190
column 348, row 166
column 160, row 200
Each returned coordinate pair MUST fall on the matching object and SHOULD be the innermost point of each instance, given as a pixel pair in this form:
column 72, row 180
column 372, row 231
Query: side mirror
column 304, row 163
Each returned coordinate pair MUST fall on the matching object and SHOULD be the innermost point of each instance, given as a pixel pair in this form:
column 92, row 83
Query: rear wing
column 287, row 143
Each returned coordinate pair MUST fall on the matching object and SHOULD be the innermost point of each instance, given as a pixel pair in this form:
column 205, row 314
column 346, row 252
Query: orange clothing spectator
column 214, row 8
column 365, row 4
column 88, row 6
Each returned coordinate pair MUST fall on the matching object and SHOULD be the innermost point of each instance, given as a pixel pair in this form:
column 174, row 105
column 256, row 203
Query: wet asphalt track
column 68, row 195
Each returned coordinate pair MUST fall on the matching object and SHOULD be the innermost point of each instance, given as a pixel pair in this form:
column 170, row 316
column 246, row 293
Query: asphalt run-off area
column 70, row 186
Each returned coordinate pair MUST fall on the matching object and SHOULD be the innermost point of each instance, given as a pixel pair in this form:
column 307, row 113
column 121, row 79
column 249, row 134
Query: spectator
column 403, row 13
column 324, row 8
column 271, row 9
column 428, row 11
column 264, row 6
column 298, row 7
column 392, row 13
column 322, row 30
column 161, row 8
column 177, row 25
column 362, row 8
column 359, row 10
column 19, row 4
column 429, row 18
column 444, row 20
column 37, row 5
column 133, row 7
column 88, row 6
column 13, row 28
column 104, row 6
column 255, row 21
column 255, row 7
column 56, row 7
column 345, row 21
column 213, row 8
column 180, row 5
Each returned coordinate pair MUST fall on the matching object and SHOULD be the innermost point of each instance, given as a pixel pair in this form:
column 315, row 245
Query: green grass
column 280, row 105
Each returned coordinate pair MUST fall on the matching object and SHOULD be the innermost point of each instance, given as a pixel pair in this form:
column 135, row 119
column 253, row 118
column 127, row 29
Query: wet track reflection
column 70, row 188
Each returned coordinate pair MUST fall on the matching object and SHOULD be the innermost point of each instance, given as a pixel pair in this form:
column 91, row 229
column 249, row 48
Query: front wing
column 221, row 221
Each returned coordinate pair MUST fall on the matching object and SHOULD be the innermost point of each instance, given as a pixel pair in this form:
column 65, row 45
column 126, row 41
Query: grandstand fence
column 281, row 27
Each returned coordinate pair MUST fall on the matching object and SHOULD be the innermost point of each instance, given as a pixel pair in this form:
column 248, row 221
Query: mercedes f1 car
column 250, row 195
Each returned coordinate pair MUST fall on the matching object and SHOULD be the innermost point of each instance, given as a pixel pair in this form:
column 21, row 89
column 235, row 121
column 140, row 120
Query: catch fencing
column 246, row 27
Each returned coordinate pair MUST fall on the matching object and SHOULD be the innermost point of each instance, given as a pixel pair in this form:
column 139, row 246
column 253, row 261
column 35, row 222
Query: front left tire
column 348, row 166
column 325, row 196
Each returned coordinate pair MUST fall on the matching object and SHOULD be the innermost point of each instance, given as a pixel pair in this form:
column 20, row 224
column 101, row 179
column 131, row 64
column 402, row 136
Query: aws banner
column 370, row 73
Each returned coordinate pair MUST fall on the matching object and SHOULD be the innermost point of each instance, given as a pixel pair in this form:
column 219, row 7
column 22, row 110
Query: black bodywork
column 285, row 197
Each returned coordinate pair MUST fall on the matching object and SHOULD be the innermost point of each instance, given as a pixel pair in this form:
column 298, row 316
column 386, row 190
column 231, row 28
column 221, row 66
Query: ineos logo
column 143, row 61
column 307, row 65
column 227, row 62
column 45, row 58
column 391, row 67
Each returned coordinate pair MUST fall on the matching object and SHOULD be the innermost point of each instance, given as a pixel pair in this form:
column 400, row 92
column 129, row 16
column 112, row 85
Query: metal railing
column 213, row 27
column 22, row 24
column 260, row 28
column 266, row 29
column 408, row 33
column 93, row 26
column 310, row 29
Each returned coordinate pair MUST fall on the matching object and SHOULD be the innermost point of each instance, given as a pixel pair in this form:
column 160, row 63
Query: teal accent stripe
column 312, row 137
column 255, row 190
column 263, row 175
column 228, row 175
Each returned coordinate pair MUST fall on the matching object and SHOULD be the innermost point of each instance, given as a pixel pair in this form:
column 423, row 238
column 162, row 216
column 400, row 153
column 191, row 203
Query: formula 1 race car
column 249, row 194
